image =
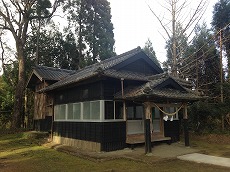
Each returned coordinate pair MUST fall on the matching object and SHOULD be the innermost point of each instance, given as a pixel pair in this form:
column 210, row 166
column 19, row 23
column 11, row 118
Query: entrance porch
column 160, row 130
column 133, row 139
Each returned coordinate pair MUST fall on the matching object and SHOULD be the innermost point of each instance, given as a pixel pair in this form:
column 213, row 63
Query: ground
column 27, row 152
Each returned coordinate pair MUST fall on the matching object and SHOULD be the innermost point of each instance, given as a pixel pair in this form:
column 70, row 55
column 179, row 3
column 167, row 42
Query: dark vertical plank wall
column 172, row 129
column 89, row 92
column 111, row 135
column 43, row 124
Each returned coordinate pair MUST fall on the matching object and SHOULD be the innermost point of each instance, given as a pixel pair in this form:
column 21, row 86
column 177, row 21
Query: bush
column 205, row 117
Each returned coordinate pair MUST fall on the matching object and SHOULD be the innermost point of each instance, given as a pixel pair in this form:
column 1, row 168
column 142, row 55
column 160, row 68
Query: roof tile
column 92, row 70
column 50, row 73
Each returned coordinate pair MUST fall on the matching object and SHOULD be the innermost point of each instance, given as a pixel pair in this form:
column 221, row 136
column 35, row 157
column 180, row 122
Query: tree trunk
column 221, row 81
column 174, row 53
column 228, row 60
column 19, row 91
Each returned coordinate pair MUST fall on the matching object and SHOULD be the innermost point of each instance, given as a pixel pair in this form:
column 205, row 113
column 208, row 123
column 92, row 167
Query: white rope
column 169, row 114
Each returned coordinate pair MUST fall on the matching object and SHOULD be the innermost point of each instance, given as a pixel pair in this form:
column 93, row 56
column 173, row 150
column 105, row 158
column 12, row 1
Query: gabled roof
column 128, row 75
column 157, row 87
column 50, row 73
column 162, row 76
column 44, row 73
column 104, row 68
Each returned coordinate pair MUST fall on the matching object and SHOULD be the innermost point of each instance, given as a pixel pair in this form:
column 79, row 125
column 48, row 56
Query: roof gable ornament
column 171, row 84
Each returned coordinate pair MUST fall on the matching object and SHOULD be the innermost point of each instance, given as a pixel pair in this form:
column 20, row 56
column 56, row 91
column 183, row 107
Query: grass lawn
column 217, row 145
column 20, row 152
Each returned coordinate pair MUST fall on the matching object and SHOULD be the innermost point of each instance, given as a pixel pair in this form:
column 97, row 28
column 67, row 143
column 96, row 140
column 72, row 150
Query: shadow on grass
column 20, row 157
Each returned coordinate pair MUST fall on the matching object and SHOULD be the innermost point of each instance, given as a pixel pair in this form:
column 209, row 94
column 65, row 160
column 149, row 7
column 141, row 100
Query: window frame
column 82, row 119
column 65, row 115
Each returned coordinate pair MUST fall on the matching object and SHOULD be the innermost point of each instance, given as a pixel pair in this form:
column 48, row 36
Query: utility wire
column 192, row 55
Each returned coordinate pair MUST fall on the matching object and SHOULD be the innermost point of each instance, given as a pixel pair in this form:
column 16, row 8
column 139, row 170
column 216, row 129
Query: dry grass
column 212, row 144
column 20, row 152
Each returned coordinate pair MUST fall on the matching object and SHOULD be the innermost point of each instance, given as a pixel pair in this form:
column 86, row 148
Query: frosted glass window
column 56, row 112
column 95, row 110
column 60, row 112
column 70, row 111
column 86, row 110
column 76, row 111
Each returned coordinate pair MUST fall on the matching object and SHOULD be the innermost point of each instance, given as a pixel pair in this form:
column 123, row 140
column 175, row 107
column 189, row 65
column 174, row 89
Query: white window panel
column 86, row 110
column 95, row 110
column 70, row 111
column 60, row 112
column 77, row 111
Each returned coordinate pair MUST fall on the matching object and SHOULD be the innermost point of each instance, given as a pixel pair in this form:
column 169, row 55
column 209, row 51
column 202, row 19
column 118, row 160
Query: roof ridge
column 54, row 68
column 110, row 59
column 92, row 69
column 123, row 54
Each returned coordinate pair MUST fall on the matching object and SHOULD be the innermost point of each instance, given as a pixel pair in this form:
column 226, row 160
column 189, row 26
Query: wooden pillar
column 185, row 121
column 122, row 93
column 148, row 146
column 124, row 111
column 52, row 124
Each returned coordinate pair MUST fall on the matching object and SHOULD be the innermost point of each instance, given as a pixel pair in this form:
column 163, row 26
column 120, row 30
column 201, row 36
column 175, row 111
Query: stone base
column 82, row 144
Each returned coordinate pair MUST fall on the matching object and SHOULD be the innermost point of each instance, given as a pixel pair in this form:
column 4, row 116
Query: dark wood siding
column 80, row 93
column 140, row 66
column 100, row 90
column 112, row 86
column 42, row 103
column 172, row 129
column 111, row 135
column 140, row 63
column 43, row 124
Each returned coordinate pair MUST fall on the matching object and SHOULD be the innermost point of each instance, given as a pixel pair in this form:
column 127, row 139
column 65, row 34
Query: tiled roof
column 138, row 92
column 149, row 89
column 162, row 76
column 125, row 74
column 102, row 67
column 50, row 73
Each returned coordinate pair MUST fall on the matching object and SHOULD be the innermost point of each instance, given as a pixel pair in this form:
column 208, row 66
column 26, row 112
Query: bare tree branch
column 159, row 21
column 194, row 16
column 2, row 54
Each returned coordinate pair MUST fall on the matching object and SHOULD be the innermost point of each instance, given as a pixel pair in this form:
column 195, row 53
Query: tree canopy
column 91, row 38
column 148, row 49
column 91, row 21
column 221, row 22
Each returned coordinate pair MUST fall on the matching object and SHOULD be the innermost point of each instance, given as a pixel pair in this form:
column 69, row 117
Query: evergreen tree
column 100, row 37
column 221, row 21
column 148, row 49
column 7, row 91
column 55, row 49
column 70, row 59
column 94, row 30
column 203, row 66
